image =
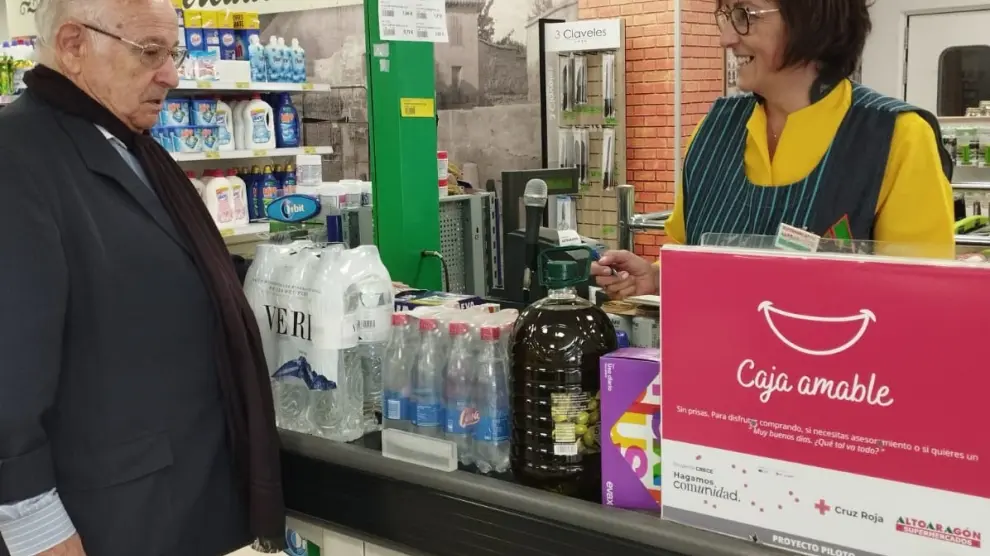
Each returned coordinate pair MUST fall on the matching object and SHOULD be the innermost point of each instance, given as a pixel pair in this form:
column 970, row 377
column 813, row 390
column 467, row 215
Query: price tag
column 259, row 152
column 307, row 86
column 309, row 150
column 211, row 155
column 204, row 84
column 568, row 237
column 242, row 85
column 227, row 232
column 790, row 238
column 416, row 107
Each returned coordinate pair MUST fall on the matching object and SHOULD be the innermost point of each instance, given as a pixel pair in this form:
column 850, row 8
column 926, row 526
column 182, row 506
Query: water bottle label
column 428, row 415
column 492, row 427
column 374, row 323
column 576, row 417
column 396, row 407
column 461, row 418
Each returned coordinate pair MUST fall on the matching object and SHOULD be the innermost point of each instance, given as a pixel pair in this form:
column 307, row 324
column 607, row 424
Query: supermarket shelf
column 245, row 234
column 257, row 153
column 260, row 86
column 354, row 487
column 973, row 240
column 972, row 186
column 963, row 120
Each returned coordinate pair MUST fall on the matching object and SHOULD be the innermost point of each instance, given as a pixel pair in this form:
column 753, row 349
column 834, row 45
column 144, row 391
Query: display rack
column 246, row 154
column 251, row 86
column 579, row 123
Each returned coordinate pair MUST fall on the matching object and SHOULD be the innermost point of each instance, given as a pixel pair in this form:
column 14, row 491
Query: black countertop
column 465, row 514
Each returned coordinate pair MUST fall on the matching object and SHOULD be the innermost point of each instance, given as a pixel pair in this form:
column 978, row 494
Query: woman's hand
column 634, row 276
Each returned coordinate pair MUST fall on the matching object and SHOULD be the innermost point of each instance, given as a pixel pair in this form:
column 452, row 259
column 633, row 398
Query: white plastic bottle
column 260, row 128
column 273, row 59
column 239, row 194
column 241, row 126
column 225, row 127
column 196, row 182
column 298, row 62
column 287, row 72
column 219, row 199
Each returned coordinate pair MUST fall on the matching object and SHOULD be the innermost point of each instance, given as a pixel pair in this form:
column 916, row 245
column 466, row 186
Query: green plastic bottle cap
column 562, row 271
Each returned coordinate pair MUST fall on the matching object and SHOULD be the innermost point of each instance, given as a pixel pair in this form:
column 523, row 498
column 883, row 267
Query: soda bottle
column 460, row 414
column 491, row 398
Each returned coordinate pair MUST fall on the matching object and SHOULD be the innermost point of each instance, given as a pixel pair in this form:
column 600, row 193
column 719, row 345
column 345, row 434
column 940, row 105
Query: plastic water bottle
column 491, row 398
column 460, row 416
column 374, row 313
column 399, row 361
column 427, row 382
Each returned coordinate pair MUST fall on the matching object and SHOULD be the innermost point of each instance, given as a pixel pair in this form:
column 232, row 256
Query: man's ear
column 70, row 46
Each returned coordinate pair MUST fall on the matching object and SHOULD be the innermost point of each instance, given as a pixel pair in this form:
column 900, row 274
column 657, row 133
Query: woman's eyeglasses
column 153, row 56
column 740, row 17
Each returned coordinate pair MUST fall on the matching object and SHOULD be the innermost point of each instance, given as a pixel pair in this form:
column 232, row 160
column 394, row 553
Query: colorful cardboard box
column 630, row 404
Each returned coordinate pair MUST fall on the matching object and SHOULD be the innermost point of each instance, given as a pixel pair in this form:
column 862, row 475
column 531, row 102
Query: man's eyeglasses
column 740, row 17
column 153, row 56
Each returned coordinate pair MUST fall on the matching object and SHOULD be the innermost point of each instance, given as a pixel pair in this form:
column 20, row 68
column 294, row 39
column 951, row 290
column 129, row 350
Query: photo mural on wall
column 487, row 81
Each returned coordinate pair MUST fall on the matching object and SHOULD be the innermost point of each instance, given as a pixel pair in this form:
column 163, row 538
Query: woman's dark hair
column 831, row 33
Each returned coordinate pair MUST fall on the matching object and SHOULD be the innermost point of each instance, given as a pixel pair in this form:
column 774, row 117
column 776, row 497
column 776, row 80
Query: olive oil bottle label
column 576, row 423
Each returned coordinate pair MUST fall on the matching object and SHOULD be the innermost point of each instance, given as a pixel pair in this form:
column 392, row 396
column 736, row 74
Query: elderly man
column 135, row 409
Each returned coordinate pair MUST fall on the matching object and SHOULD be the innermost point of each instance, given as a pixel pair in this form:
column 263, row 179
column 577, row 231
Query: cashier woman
column 808, row 147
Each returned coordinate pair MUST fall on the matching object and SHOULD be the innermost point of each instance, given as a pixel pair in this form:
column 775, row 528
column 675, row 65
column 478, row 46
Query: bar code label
column 423, row 34
column 366, row 325
column 416, row 107
column 420, row 15
column 388, row 31
column 565, row 449
column 388, row 13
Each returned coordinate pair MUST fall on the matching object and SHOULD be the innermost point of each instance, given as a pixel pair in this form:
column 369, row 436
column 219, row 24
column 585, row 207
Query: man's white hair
column 51, row 14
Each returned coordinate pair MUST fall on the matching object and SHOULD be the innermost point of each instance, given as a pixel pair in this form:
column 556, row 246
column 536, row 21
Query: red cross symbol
column 822, row 507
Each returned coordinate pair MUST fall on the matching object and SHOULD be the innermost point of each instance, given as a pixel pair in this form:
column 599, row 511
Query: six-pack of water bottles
column 447, row 375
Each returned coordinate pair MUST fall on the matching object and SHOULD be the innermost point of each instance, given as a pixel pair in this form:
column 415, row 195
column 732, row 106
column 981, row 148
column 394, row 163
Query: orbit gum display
column 630, row 406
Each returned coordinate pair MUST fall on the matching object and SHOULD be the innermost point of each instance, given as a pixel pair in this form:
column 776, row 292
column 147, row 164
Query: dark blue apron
column 837, row 199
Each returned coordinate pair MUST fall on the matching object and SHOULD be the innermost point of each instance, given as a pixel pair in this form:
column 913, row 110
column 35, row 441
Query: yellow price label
column 204, row 84
column 307, row 86
column 227, row 232
column 417, row 107
column 211, row 154
column 259, row 152
column 309, row 150
column 242, row 85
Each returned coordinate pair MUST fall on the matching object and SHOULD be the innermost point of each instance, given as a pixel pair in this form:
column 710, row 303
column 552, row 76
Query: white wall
column 883, row 59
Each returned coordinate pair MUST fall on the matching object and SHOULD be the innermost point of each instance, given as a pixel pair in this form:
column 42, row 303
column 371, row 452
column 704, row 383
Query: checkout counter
column 353, row 488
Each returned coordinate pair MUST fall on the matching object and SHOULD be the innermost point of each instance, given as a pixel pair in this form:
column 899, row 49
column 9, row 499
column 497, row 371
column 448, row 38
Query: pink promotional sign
column 826, row 405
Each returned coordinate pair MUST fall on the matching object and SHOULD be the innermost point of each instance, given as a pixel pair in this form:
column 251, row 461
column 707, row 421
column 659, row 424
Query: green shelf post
column 402, row 136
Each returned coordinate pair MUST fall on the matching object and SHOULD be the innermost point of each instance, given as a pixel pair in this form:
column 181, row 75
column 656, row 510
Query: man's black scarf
column 240, row 361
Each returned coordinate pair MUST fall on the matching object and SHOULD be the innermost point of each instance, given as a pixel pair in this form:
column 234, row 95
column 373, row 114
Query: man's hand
column 634, row 276
column 71, row 547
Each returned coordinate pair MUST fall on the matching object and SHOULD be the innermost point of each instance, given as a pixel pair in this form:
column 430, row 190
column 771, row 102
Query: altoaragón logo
column 194, row 4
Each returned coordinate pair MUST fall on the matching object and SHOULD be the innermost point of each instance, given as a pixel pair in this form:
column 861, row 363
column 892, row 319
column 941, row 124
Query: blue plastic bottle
column 287, row 123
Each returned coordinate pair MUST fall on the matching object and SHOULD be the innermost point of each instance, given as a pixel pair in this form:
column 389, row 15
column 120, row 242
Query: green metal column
column 403, row 141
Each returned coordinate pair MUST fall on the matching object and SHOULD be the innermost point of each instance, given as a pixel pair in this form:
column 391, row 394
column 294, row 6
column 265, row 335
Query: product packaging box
column 409, row 300
column 630, row 404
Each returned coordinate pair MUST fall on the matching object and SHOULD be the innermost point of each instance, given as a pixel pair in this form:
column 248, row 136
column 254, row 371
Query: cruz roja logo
column 703, row 486
column 822, row 507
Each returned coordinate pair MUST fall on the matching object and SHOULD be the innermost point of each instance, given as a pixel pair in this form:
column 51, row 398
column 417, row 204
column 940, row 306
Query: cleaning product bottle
column 239, row 195
column 241, row 125
column 269, row 189
column 273, row 58
column 285, row 56
column 258, row 193
column 298, row 62
column 224, row 120
column 198, row 184
column 279, row 173
column 260, row 119
column 257, row 59
column 218, row 198
column 289, row 179
column 287, row 132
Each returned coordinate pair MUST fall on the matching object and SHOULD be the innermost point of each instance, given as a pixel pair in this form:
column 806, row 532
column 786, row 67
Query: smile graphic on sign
column 863, row 318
